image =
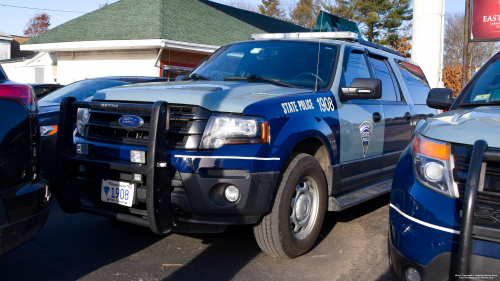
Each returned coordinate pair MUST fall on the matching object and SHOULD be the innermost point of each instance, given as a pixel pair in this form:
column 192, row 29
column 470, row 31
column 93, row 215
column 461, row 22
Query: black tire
column 274, row 232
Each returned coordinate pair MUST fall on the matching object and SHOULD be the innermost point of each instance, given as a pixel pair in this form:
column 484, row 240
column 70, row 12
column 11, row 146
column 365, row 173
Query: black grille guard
column 475, row 183
column 158, row 188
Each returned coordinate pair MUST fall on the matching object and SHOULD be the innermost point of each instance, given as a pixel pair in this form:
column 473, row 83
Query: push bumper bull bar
column 159, row 175
column 475, row 183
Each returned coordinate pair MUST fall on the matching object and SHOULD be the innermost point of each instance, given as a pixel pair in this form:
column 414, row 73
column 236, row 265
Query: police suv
column 445, row 200
column 271, row 132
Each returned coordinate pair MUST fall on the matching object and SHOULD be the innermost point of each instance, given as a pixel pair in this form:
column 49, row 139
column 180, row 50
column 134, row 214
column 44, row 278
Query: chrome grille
column 187, row 123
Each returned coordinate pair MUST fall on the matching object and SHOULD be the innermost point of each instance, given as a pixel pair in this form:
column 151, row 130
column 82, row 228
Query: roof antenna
column 319, row 49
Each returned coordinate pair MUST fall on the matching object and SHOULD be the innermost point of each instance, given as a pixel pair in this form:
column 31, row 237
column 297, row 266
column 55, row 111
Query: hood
column 465, row 126
column 223, row 96
column 48, row 107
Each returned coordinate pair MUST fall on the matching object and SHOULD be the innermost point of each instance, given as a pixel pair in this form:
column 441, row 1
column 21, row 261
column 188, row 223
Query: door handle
column 408, row 115
column 376, row 117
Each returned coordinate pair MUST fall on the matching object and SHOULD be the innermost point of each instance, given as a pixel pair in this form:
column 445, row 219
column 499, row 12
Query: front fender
column 303, row 127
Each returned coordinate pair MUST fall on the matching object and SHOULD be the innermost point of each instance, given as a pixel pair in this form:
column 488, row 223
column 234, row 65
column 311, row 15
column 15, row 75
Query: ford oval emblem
column 131, row 121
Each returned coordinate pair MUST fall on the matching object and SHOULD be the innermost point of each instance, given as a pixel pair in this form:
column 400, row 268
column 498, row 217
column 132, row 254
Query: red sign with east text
column 485, row 19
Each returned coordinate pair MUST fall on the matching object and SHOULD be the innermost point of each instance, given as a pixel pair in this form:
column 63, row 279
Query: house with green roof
column 148, row 37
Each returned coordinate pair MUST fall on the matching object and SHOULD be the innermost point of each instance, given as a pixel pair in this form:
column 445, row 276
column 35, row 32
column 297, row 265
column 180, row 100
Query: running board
column 354, row 197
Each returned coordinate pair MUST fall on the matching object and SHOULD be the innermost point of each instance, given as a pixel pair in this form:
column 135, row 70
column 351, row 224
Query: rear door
column 361, row 135
column 397, row 114
column 417, row 88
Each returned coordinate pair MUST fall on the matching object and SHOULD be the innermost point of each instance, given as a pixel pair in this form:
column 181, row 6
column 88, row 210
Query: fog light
column 82, row 148
column 232, row 193
column 434, row 171
column 411, row 274
column 138, row 156
column 137, row 177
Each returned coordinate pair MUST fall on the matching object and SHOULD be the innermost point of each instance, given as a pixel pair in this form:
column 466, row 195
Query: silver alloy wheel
column 305, row 205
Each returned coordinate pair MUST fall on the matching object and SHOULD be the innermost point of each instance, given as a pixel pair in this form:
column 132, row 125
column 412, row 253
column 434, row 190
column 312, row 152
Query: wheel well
column 316, row 149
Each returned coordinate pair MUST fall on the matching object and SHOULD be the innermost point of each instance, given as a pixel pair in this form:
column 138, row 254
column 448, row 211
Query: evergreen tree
column 305, row 13
column 272, row 8
column 380, row 19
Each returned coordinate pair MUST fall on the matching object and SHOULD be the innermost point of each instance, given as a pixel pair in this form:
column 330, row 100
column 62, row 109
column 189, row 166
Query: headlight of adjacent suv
column 224, row 129
column 82, row 118
column 433, row 166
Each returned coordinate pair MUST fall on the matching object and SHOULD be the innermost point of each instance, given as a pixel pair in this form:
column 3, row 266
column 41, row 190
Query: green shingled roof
column 193, row 21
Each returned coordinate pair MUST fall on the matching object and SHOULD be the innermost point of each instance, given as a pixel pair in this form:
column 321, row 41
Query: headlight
column 224, row 129
column 82, row 118
column 433, row 166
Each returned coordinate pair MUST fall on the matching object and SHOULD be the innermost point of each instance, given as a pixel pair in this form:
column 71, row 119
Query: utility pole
column 465, row 57
column 427, row 39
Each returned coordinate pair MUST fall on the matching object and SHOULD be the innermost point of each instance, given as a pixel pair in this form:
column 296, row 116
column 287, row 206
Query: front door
column 361, row 128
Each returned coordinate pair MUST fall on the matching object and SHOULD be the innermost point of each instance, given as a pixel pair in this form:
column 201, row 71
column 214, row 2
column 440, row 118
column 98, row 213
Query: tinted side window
column 356, row 68
column 382, row 72
column 415, row 82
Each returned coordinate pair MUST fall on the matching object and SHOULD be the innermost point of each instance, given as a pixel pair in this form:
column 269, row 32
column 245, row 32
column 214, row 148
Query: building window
column 172, row 71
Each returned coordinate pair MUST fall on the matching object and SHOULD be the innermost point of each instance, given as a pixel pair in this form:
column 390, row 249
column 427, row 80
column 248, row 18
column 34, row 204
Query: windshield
column 486, row 88
column 81, row 90
column 295, row 63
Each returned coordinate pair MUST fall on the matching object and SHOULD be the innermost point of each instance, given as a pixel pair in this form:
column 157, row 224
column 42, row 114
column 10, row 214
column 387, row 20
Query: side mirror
column 440, row 98
column 179, row 77
column 362, row 89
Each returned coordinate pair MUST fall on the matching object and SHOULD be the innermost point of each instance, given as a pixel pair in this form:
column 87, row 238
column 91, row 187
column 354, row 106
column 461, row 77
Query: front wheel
column 294, row 222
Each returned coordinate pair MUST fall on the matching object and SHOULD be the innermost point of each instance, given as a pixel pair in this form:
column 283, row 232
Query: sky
column 13, row 20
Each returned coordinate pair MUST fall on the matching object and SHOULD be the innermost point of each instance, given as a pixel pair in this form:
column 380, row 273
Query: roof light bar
column 307, row 35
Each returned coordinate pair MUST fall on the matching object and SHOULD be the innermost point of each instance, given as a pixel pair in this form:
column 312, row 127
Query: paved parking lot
column 352, row 246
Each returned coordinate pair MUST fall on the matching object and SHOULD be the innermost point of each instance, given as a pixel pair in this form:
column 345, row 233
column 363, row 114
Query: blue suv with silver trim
column 271, row 132
column 445, row 200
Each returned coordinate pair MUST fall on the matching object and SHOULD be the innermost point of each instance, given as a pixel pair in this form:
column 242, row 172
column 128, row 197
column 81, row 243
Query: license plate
column 118, row 192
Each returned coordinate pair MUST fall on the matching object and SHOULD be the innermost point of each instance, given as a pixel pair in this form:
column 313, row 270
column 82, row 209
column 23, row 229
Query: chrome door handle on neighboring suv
column 376, row 117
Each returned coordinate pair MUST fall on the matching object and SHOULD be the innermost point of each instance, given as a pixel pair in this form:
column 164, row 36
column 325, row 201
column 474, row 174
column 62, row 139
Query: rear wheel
column 294, row 222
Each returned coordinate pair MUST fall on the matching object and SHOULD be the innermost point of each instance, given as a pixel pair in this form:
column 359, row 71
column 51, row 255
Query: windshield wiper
column 196, row 76
column 255, row 78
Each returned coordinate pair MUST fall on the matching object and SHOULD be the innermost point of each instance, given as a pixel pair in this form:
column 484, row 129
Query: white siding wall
column 4, row 49
column 75, row 66
column 25, row 71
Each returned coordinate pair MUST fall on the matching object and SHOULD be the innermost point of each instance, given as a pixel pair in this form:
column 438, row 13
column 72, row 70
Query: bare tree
column 37, row 25
column 244, row 6
column 104, row 4
column 479, row 52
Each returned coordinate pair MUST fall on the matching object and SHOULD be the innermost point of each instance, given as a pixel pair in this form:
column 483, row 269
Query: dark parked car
column 41, row 90
column 24, row 198
column 81, row 90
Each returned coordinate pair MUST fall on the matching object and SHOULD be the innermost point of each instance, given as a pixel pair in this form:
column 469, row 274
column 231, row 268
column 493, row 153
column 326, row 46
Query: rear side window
column 382, row 72
column 415, row 82
column 356, row 68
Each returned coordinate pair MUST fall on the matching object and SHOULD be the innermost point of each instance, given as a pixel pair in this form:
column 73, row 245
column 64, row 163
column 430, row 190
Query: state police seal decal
column 366, row 132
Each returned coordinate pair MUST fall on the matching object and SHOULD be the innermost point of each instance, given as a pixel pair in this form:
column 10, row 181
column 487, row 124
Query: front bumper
column 426, row 232
column 195, row 198
column 23, row 212
column 443, row 266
